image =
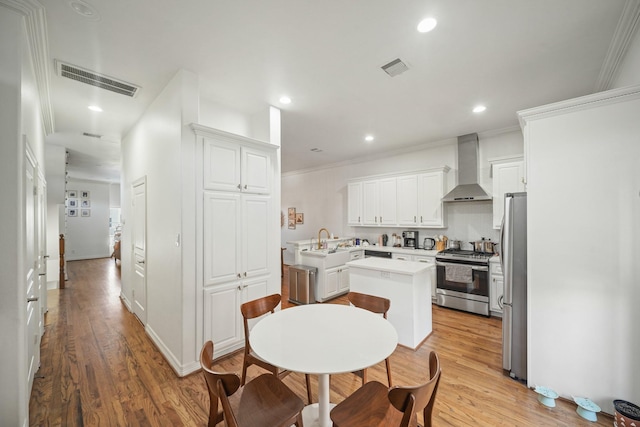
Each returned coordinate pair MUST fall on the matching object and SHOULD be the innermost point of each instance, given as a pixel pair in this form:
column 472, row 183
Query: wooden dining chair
column 377, row 305
column 263, row 402
column 251, row 310
column 373, row 404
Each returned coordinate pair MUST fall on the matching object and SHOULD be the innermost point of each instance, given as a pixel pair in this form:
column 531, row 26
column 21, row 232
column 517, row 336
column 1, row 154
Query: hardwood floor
column 99, row 368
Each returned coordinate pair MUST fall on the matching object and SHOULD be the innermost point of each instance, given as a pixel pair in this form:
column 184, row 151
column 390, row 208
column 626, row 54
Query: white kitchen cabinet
column 223, row 322
column 496, row 290
column 508, row 177
column 431, row 189
column 229, row 166
column 335, row 281
column 406, row 200
column 235, row 240
column 354, row 203
column 237, row 232
column 379, row 202
column 431, row 260
column 401, row 257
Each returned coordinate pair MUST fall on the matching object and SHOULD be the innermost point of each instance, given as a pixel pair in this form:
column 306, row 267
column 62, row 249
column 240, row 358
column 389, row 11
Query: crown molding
column 627, row 26
column 577, row 104
column 36, row 25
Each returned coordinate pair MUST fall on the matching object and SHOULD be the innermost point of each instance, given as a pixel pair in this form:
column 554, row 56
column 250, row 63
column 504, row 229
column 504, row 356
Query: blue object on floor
column 546, row 396
column 586, row 408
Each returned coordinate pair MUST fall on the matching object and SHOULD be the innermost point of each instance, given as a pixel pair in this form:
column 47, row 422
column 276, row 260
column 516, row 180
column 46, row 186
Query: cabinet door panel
column 507, row 178
column 255, row 171
column 387, row 202
column 221, row 316
column 370, row 197
column 221, row 165
column 331, row 286
column 221, row 237
column 354, row 207
column 255, row 242
column 408, row 200
column 343, row 284
column 431, row 190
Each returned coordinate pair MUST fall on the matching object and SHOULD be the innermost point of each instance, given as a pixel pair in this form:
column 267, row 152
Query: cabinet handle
column 245, row 186
column 358, row 219
column 500, row 300
column 239, row 187
column 239, row 276
column 32, row 299
column 420, row 218
column 239, row 288
column 414, row 218
column 245, row 274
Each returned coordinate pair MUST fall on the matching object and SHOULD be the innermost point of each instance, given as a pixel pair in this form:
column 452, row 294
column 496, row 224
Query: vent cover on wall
column 94, row 79
column 395, row 67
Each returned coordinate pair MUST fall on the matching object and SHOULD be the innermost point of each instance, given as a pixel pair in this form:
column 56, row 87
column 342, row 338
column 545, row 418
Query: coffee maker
column 410, row 239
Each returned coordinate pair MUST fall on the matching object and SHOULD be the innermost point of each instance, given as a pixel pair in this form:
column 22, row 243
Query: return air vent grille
column 94, row 79
column 395, row 67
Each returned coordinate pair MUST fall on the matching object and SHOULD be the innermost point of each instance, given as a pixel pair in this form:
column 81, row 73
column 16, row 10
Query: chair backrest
column 420, row 398
column 256, row 308
column 370, row 302
column 230, row 381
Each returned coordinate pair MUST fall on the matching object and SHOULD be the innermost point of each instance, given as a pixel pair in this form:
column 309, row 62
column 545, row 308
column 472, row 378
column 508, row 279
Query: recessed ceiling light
column 95, row 108
column 368, row 138
column 479, row 108
column 84, row 9
column 285, row 100
column 427, row 25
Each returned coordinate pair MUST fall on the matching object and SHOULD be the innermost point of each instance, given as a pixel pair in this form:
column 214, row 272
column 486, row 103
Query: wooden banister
column 62, row 261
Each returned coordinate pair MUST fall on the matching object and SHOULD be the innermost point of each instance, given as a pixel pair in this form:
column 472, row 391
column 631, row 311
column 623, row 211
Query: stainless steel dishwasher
column 302, row 284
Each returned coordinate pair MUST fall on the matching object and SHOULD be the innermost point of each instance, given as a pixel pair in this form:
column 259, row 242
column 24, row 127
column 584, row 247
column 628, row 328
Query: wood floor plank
column 99, row 368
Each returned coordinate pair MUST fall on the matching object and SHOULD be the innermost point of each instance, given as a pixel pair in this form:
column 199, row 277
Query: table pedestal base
column 317, row 414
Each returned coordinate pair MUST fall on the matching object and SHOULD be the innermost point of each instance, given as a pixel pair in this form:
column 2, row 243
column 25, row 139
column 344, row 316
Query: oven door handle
column 473, row 267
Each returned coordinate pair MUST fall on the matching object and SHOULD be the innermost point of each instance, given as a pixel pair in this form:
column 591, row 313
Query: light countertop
column 390, row 265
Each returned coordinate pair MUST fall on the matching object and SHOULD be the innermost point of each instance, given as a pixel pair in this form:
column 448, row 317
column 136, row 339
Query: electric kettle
column 428, row 243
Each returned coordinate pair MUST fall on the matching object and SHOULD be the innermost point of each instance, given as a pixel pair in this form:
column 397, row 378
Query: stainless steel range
column 463, row 280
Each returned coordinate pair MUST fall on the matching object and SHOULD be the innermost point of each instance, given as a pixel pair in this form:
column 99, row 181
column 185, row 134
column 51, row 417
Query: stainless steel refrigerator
column 513, row 256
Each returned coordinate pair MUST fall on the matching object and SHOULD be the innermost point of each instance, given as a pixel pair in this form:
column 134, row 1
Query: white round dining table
column 323, row 339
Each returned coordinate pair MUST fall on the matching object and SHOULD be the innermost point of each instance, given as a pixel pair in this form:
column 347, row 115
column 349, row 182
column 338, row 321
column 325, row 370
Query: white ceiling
column 326, row 55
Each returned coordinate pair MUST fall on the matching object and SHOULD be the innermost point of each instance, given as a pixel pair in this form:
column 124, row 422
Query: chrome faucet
column 319, row 233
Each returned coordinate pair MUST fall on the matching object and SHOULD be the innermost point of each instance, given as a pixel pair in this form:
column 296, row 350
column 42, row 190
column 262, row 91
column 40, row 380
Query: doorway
column 139, row 243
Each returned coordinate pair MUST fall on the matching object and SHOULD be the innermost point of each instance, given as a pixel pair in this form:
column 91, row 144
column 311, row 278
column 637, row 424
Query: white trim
column 627, row 26
column 201, row 130
column 443, row 169
column 36, row 25
column 576, row 104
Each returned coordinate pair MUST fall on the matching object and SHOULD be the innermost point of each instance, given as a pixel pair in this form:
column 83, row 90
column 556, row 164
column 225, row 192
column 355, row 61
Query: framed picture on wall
column 86, row 203
column 72, row 212
column 85, row 212
column 299, row 218
column 291, row 218
column 72, row 203
column 72, row 193
column 85, row 194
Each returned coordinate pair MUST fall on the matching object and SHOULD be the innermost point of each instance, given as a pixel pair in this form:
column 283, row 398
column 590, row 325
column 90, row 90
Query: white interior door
column 31, row 265
column 139, row 243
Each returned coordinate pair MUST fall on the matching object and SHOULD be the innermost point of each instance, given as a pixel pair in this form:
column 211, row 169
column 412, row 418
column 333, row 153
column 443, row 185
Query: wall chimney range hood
column 468, row 189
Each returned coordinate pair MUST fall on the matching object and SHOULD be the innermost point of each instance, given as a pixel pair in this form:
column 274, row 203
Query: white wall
column 88, row 237
column 322, row 194
column 19, row 115
column 583, row 248
column 56, row 167
column 629, row 72
column 114, row 195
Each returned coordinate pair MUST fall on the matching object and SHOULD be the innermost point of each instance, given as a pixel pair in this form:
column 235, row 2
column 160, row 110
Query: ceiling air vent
column 91, row 135
column 94, row 79
column 395, row 67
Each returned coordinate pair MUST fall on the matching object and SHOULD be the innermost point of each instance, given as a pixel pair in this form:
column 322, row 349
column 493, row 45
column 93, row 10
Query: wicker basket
column 627, row 414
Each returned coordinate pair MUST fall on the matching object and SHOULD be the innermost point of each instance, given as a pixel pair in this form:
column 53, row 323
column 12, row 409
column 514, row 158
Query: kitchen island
column 407, row 285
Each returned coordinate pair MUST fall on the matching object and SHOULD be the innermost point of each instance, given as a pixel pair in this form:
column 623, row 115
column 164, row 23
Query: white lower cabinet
column 223, row 320
column 336, row 282
column 431, row 260
column 496, row 290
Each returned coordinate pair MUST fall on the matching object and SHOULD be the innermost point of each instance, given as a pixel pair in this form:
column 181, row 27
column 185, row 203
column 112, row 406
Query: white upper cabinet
column 408, row 200
column 413, row 200
column 354, row 204
column 508, row 177
column 431, row 187
column 379, row 202
column 229, row 166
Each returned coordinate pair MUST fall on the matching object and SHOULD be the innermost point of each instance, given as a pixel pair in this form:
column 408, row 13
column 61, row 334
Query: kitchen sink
column 331, row 257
